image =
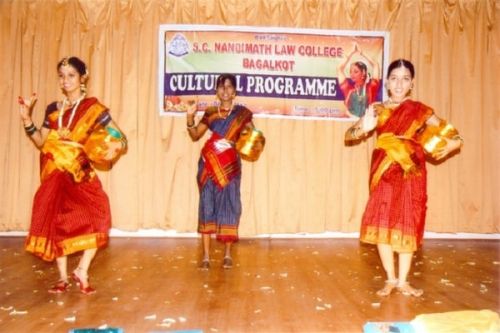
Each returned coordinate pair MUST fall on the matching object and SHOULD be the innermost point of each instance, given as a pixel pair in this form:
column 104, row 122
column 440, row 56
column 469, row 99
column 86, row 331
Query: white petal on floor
column 447, row 283
column 150, row 317
column 71, row 319
column 168, row 320
column 267, row 289
column 18, row 313
column 444, row 281
column 483, row 289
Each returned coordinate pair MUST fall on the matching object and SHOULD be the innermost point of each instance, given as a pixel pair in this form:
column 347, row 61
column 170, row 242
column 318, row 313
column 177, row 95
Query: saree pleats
column 71, row 211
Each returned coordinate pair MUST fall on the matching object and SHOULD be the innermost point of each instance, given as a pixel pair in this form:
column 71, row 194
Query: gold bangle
column 459, row 137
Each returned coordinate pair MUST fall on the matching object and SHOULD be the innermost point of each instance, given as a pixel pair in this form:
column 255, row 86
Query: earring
column 409, row 91
column 83, row 88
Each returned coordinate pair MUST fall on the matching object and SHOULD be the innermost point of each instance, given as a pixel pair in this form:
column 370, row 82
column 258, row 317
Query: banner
column 280, row 72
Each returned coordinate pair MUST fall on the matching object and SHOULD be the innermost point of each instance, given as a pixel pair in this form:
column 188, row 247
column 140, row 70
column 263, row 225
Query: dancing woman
column 219, row 168
column 360, row 90
column 71, row 211
column 394, row 217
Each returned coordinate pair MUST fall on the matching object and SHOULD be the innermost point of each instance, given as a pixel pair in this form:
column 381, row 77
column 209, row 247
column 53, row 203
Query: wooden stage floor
column 277, row 285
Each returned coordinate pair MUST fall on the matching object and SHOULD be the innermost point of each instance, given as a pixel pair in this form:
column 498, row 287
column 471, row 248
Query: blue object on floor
column 96, row 330
column 388, row 327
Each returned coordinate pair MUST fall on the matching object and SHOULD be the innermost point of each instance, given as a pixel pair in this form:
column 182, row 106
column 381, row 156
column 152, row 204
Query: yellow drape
column 306, row 180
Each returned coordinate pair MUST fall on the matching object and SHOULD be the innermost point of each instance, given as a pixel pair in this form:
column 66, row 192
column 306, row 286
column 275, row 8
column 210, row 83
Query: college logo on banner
column 295, row 73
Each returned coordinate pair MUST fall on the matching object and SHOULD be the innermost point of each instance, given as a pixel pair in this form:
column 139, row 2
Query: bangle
column 30, row 129
column 124, row 142
column 190, row 126
column 459, row 137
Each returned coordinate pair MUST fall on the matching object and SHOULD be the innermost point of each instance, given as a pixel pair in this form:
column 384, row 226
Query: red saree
column 71, row 211
column 222, row 166
column 395, row 212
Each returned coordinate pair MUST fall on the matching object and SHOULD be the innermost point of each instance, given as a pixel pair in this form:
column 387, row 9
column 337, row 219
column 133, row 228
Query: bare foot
column 227, row 263
column 388, row 287
column 407, row 290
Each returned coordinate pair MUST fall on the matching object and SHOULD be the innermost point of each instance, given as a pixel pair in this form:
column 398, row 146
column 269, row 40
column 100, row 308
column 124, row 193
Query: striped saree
column 219, row 174
column 395, row 212
column 71, row 211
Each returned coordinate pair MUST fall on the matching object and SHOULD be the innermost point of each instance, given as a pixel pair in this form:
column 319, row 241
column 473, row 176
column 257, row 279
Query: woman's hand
column 356, row 49
column 26, row 106
column 451, row 145
column 369, row 120
column 114, row 148
column 191, row 107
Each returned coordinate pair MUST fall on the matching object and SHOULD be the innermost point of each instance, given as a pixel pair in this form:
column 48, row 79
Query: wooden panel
column 277, row 285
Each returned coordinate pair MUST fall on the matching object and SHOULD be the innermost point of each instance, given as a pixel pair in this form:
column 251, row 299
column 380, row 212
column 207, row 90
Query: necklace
column 228, row 113
column 360, row 92
column 357, row 101
column 391, row 102
column 64, row 131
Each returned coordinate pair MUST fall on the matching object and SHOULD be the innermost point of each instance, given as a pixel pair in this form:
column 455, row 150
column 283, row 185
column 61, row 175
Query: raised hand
column 191, row 107
column 26, row 106
column 369, row 120
column 356, row 48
